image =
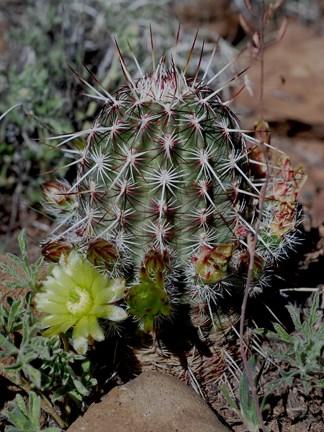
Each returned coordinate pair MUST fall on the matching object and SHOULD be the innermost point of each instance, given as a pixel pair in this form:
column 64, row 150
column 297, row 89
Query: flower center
column 79, row 302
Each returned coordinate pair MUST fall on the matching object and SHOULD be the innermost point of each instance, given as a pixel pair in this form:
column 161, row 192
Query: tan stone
column 293, row 79
column 152, row 402
column 218, row 17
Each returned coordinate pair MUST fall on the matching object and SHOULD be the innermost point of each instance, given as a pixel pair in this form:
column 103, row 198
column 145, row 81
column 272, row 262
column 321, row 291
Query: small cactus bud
column 102, row 253
column 211, row 263
column 292, row 180
column 284, row 218
column 262, row 132
column 57, row 195
column 241, row 232
column 52, row 250
column 156, row 261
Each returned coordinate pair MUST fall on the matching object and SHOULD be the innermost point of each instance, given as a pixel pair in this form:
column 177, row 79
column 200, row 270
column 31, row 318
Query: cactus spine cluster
column 168, row 190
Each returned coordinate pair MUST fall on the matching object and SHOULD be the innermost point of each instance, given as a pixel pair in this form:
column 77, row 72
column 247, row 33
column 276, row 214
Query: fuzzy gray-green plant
column 25, row 418
column 28, row 359
column 245, row 405
column 299, row 354
column 168, row 192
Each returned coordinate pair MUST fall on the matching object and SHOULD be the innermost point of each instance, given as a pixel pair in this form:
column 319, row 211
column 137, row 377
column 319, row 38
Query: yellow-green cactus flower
column 76, row 295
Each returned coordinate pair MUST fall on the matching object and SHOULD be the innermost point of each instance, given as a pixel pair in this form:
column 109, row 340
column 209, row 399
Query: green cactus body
column 162, row 182
column 169, row 185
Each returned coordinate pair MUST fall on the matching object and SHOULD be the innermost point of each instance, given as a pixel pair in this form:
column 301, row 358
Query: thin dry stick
column 253, row 239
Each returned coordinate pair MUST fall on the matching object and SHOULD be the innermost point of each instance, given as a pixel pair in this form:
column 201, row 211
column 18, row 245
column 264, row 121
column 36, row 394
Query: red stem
column 252, row 244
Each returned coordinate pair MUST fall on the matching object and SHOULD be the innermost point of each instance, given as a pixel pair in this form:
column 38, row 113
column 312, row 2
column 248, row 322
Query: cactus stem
column 203, row 156
column 165, row 179
column 100, row 167
column 131, row 157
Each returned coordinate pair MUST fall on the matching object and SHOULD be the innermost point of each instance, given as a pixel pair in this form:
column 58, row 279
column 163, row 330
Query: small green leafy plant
column 299, row 355
column 27, row 358
column 245, row 407
column 24, row 417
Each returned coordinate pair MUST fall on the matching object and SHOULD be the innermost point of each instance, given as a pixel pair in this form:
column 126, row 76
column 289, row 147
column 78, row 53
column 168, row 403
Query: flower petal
column 48, row 296
column 52, row 331
column 45, row 305
column 63, row 278
column 108, row 291
column 82, row 273
column 61, row 322
column 58, row 328
column 100, row 291
column 115, row 313
column 100, row 311
column 80, row 344
column 82, row 327
column 118, row 289
column 95, row 330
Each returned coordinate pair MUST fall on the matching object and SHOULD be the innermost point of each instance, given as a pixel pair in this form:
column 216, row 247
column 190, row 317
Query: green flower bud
column 148, row 299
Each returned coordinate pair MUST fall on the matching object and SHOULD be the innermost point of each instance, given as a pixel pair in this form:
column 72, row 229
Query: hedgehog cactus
column 167, row 191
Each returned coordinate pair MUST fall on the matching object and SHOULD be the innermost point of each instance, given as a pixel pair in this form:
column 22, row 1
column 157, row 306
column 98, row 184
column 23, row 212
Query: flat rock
column 293, row 79
column 216, row 16
column 152, row 402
